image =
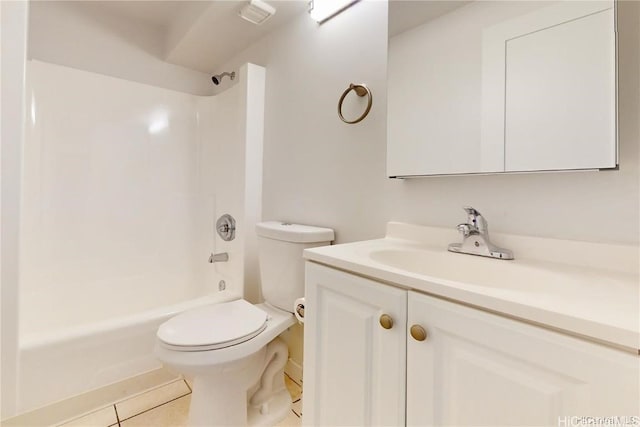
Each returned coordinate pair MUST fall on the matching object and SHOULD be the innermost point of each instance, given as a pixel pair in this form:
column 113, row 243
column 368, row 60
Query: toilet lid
column 213, row 326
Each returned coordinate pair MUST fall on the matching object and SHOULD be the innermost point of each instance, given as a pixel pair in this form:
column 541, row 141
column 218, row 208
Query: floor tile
column 100, row 418
column 297, row 407
column 151, row 399
column 172, row 414
column 291, row 421
column 294, row 389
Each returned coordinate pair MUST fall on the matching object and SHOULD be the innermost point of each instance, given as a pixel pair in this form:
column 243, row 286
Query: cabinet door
column 476, row 368
column 549, row 88
column 561, row 96
column 354, row 369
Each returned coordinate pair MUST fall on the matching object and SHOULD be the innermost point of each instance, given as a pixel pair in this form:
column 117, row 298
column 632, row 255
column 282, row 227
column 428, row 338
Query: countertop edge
column 609, row 335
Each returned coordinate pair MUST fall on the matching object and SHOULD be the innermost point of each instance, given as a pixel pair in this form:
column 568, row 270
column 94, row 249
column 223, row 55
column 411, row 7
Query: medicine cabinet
column 494, row 87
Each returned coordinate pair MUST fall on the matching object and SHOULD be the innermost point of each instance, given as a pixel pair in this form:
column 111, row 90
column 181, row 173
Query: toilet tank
column 280, row 246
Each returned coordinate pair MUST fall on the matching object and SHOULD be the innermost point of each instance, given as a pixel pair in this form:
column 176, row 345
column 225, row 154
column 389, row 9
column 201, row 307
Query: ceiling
column 407, row 14
column 201, row 35
column 219, row 33
column 157, row 13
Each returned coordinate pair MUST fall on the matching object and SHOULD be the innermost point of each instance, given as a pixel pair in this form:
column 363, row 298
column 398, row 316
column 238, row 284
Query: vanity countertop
column 588, row 289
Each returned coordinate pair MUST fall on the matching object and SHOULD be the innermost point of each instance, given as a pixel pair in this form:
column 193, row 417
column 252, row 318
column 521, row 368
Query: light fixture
column 323, row 10
column 257, row 12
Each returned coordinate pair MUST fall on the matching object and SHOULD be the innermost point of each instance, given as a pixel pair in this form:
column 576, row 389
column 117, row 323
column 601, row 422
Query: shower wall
column 114, row 207
column 238, row 171
column 122, row 184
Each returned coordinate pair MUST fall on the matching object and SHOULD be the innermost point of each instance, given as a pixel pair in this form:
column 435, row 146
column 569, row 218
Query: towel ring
column 360, row 90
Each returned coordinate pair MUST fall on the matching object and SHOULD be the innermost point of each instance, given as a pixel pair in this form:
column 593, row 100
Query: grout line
column 157, row 406
column 117, row 416
column 292, row 380
column 185, row 381
column 140, row 393
column 86, row 414
column 294, row 413
column 105, row 406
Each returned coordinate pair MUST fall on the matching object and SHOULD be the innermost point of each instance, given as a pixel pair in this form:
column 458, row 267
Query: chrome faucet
column 475, row 238
column 221, row 257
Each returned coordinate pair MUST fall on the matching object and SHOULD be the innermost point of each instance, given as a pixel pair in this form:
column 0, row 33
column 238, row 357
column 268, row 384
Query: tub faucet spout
column 221, row 257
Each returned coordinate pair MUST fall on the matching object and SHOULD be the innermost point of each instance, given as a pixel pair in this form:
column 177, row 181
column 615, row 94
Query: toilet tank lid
column 295, row 233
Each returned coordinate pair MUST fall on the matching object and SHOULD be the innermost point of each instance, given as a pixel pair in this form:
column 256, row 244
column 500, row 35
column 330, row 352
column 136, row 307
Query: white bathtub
column 117, row 220
column 58, row 364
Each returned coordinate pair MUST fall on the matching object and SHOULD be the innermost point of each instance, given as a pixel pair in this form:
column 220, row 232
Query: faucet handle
column 464, row 229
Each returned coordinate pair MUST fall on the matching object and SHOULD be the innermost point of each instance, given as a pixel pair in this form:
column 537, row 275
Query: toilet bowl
column 223, row 366
column 231, row 350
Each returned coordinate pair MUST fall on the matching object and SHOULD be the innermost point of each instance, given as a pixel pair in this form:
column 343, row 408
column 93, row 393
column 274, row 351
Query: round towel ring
column 360, row 90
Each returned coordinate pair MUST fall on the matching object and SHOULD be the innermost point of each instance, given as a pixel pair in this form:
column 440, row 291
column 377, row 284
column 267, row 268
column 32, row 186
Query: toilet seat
column 213, row 327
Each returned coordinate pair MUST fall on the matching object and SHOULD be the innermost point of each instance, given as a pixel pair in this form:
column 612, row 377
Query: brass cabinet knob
column 386, row 321
column 418, row 333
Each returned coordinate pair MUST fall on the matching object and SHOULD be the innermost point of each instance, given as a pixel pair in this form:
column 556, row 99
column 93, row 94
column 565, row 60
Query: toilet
column 231, row 350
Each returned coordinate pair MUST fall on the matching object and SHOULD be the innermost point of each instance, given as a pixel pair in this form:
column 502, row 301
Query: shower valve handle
column 226, row 227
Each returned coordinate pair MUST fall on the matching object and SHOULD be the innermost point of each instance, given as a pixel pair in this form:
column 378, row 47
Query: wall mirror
column 501, row 86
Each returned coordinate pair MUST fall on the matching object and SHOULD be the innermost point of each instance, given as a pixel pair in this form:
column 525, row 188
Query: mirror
column 501, row 86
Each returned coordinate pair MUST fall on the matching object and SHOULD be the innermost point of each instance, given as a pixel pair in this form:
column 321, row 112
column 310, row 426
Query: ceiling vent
column 257, row 12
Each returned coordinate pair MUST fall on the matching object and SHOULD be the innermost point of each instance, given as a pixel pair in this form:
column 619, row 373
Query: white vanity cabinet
column 471, row 368
column 477, row 368
column 354, row 369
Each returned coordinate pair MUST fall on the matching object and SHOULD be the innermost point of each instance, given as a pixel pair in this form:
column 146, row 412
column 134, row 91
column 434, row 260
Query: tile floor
column 166, row 406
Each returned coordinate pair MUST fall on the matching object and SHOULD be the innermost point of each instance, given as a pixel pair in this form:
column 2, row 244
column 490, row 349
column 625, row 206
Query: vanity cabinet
column 447, row 364
column 354, row 369
column 478, row 368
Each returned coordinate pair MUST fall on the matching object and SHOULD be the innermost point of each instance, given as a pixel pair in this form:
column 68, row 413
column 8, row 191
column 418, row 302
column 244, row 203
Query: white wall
column 75, row 34
column 13, row 35
column 320, row 171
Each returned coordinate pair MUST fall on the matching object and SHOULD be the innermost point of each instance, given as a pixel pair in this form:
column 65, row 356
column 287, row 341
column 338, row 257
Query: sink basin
column 590, row 289
column 476, row 271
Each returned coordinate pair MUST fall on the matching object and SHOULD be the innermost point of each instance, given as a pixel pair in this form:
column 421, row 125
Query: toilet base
column 219, row 396
column 279, row 407
column 216, row 406
column 232, row 410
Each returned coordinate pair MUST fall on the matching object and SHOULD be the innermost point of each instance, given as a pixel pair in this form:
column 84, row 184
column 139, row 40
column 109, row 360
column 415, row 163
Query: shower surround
column 120, row 196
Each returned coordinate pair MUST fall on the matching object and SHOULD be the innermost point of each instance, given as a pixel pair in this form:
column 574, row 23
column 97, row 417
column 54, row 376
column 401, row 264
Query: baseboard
column 93, row 400
column 294, row 370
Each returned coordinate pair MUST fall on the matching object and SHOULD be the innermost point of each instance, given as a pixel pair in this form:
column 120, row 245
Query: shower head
column 218, row 77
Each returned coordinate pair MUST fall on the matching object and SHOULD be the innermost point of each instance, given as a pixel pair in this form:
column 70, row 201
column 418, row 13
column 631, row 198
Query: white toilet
column 232, row 350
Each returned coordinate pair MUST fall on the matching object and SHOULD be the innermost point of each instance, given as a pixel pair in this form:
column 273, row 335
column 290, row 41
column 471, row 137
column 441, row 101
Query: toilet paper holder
column 299, row 309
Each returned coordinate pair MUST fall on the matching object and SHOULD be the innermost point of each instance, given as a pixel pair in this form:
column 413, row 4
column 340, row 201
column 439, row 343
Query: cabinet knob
column 386, row 321
column 418, row 333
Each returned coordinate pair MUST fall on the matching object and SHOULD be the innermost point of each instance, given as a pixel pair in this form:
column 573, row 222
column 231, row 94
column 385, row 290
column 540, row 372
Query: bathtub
column 61, row 363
